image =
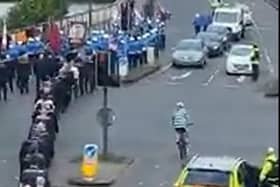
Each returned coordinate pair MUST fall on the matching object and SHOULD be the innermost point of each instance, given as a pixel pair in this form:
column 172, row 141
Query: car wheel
column 203, row 64
column 228, row 73
column 242, row 35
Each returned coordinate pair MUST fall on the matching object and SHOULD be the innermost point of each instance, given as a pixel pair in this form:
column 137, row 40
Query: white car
column 239, row 59
column 231, row 17
column 248, row 14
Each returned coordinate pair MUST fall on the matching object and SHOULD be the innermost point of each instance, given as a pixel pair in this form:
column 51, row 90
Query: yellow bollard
column 89, row 166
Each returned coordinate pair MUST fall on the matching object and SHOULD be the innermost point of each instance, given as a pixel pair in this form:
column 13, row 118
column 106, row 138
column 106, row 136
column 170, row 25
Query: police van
column 231, row 17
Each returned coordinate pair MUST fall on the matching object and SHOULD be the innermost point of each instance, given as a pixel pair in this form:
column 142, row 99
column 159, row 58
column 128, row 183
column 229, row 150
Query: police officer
column 3, row 80
column 255, row 59
column 23, row 71
column 268, row 165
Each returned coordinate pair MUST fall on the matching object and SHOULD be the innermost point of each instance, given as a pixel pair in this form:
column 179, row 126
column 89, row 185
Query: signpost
column 105, row 117
column 89, row 166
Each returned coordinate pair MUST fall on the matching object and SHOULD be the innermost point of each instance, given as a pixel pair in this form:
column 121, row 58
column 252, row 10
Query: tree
column 28, row 12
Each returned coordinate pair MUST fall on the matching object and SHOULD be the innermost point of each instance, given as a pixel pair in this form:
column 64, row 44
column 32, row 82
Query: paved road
column 230, row 117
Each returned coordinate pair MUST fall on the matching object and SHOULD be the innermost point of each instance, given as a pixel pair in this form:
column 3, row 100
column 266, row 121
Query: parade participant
column 90, row 63
column 11, row 66
column 23, row 70
column 3, row 81
column 80, row 64
column 71, row 73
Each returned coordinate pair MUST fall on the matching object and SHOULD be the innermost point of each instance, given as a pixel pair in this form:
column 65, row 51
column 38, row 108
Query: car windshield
column 189, row 45
column 209, row 36
column 207, row 178
column 241, row 51
column 217, row 29
column 225, row 17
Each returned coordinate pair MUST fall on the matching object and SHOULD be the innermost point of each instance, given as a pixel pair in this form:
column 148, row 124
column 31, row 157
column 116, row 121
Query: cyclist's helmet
column 180, row 104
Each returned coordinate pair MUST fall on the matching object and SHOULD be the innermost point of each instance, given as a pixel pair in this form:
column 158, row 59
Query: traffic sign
column 106, row 116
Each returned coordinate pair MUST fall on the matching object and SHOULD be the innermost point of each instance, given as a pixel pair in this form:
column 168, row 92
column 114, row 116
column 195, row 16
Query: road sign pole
column 105, row 126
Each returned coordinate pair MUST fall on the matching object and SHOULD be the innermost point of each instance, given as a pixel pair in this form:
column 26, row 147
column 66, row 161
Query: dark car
column 223, row 32
column 213, row 42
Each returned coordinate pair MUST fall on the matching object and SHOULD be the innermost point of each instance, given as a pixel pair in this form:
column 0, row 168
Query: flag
column 4, row 43
column 54, row 37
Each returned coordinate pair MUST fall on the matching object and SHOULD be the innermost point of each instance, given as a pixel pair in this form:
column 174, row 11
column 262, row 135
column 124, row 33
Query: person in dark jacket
column 197, row 23
column 3, row 80
column 11, row 66
column 35, row 176
column 23, row 71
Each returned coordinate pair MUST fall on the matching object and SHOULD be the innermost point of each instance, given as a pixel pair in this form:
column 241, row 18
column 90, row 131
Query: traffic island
column 139, row 73
column 110, row 167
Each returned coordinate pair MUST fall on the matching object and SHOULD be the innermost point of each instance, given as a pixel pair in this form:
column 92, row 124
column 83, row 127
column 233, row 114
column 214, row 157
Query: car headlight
column 224, row 39
column 236, row 29
column 215, row 47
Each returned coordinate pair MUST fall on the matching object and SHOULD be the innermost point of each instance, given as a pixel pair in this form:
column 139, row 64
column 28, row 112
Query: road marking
column 183, row 76
column 240, row 79
column 173, row 83
column 157, row 166
column 267, row 57
column 140, row 183
column 163, row 183
column 4, row 161
column 231, row 86
column 211, row 78
column 164, row 69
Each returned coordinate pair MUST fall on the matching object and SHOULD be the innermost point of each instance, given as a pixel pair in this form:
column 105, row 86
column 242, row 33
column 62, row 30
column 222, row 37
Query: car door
column 251, row 174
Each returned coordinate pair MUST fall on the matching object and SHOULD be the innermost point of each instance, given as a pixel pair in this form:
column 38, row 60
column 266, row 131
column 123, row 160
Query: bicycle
column 183, row 145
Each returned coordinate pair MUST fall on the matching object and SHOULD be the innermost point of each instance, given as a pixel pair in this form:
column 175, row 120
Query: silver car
column 189, row 52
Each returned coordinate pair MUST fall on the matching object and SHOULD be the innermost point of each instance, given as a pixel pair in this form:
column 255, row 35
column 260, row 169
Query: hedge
column 28, row 12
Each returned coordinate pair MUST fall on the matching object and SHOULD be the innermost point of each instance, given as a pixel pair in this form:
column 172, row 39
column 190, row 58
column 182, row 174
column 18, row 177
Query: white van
column 232, row 18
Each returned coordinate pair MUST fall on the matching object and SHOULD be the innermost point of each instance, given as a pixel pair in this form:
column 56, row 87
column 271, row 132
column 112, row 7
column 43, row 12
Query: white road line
column 173, row 83
column 211, row 78
column 240, row 79
column 182, row 76
column 231, row 86
column 267, row 57
column 164, row 69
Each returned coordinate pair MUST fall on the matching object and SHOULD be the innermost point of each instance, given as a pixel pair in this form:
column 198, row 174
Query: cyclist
column 181, row 121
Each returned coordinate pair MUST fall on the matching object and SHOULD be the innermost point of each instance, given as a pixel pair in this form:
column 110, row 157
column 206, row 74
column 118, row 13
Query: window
column 226, row 17
column 207, row 177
